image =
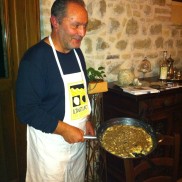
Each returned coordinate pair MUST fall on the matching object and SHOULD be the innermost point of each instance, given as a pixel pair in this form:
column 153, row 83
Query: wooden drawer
column 156, row 103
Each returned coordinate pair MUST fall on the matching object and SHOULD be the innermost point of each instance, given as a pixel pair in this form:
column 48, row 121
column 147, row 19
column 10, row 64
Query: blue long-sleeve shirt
column 40, row 97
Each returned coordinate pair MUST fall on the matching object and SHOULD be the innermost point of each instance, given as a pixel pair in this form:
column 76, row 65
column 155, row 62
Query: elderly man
column 52, row 99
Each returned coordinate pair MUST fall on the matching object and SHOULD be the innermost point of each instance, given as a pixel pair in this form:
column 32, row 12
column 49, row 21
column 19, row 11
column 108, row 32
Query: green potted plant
column 96, row 80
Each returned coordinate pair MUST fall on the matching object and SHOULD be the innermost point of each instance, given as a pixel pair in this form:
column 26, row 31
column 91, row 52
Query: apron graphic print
column 78, row 101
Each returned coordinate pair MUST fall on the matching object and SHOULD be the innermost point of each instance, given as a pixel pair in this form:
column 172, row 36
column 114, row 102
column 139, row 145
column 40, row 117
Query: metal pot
column 125, row 121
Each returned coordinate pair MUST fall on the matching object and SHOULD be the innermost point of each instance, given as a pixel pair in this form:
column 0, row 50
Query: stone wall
column 122, row 32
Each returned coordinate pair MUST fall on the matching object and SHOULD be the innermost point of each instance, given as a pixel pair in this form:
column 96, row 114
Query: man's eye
column 75, row 26
column 84, row 26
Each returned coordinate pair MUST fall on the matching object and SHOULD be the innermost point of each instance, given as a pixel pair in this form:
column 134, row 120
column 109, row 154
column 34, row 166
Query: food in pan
column 126, row 141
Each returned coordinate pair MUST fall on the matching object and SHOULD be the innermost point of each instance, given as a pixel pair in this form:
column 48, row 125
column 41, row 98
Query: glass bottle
column 170, row 72
column 163, row 67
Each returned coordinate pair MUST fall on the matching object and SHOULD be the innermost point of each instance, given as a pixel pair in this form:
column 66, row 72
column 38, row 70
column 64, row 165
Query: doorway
column 18, row 19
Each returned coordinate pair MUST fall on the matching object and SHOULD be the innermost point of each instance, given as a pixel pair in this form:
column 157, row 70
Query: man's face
column 73, row 27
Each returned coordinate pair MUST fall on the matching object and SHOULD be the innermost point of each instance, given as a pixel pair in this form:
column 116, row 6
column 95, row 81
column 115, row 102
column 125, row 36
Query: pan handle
column 89, row 137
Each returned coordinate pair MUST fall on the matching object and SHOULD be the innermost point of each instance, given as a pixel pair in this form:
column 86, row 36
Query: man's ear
column 54, row 22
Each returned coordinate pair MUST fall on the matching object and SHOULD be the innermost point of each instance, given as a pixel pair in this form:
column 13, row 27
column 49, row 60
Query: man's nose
column 82, row 31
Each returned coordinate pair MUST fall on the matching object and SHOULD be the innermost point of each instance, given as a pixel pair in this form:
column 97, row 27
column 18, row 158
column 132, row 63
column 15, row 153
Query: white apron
column 49, row 157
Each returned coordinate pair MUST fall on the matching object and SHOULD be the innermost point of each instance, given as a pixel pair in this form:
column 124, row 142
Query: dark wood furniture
column 162, row 110
column 163, row 166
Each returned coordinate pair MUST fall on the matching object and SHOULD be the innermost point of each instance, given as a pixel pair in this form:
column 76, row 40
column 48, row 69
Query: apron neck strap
column 56, row 56
column 58, row 63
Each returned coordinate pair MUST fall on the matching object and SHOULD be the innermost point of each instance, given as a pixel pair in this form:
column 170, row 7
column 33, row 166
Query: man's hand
column 71, row 134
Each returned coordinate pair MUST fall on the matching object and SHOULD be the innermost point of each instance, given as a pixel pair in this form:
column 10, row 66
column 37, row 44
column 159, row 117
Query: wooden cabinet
column 162, row 110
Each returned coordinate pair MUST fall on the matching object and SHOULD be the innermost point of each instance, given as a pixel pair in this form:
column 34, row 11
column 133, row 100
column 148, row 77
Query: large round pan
column 126, row 122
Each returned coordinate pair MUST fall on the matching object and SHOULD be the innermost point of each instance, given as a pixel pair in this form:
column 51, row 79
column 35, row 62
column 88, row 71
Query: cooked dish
column 126, row 141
